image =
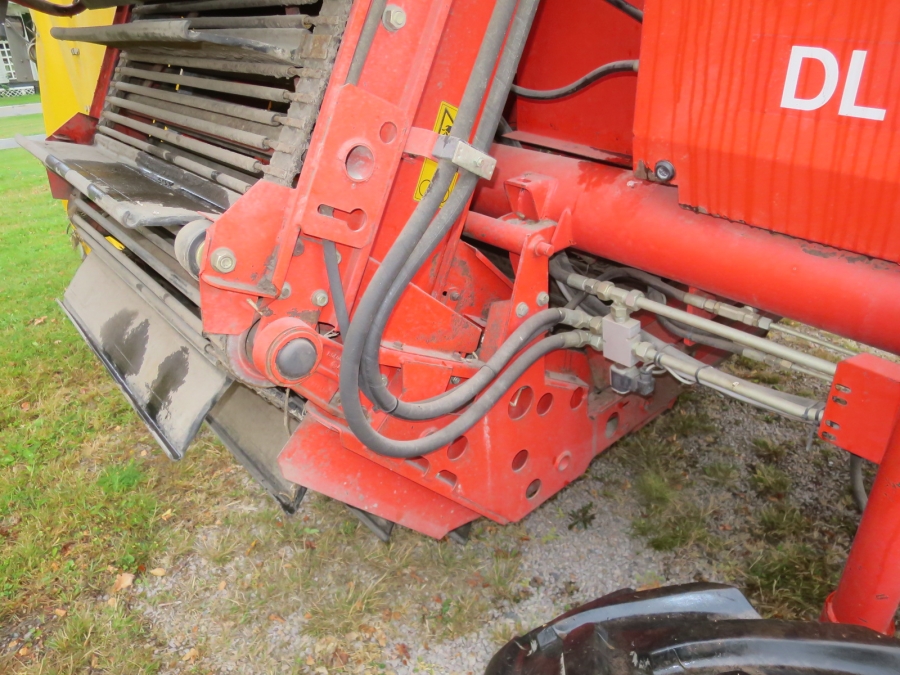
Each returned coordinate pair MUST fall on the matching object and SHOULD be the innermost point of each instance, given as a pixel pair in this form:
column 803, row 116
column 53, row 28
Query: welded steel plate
column 167, row 380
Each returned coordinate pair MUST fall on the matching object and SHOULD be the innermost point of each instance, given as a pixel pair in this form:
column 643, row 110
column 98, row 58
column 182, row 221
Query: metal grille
column 240, row 108
column 7, row 71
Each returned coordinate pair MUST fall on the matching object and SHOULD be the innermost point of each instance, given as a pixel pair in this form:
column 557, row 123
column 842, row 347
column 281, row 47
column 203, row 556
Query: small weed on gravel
column 770, row 481
column 582, row 517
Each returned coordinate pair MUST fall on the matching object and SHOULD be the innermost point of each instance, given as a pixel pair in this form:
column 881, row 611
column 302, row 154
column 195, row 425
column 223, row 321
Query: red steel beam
column 637, row 223
column 869, row 591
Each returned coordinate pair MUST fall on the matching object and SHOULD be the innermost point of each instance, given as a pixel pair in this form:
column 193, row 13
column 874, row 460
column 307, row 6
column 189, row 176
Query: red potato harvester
column 432, row 257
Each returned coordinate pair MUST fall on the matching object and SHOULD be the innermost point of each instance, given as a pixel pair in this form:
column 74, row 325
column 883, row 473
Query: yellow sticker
column 442, row 125
column 116, row 243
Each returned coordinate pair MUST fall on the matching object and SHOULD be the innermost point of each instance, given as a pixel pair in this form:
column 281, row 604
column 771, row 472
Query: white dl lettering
column 849, row 107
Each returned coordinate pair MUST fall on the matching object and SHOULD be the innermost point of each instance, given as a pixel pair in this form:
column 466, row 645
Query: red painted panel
column 569, row 40
column 715, row 98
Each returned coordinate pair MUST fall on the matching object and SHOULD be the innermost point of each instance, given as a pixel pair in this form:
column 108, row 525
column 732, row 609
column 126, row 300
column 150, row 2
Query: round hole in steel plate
column 388, row 132
column 360, row 163
column 544, row 404
column 456, row 449
column 520, row 460
column 533, row 488
column 520, row 402
column 577, row 397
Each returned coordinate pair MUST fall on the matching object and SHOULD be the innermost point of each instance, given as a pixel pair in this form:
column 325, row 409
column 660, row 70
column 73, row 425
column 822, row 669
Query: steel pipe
column 192, row 123
column 613, row 215
column 210, row 84
column 219, row 154
column 178, row 160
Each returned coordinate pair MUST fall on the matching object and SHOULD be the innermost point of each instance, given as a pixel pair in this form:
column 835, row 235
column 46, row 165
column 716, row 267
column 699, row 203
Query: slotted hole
column 355, row 219
column 839, row 400
column 844, row 389
column 447, row 477
column 533, row 488
column 420, row 463
column 612, row 425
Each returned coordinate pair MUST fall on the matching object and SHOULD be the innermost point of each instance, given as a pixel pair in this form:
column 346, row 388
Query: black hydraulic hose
column 412, row 232
column 422, row 446
column 603, row 71
column 561, row 267
column 366, row 38
column 484, row 136
column 337, row 290
column 454, row 399
column 354, row 342
column 860, row 496
column 51, row 8
column 629, row 9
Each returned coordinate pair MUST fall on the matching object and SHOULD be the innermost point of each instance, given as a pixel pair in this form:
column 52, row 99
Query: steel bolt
column 455, row 380
column 543, row 299
column 394, row 18
column 285, row 291
column 521, row 309
column 319, row 298
column 543, row 248
column 223, row 260
column 664, row 171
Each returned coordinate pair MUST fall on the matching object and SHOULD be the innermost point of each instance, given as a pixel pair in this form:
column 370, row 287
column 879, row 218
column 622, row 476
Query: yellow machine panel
column 67, row 71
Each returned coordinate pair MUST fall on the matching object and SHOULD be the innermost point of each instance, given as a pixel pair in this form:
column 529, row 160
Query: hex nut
column 319, row 298
column 543, row 299
column 394, row 18
column 664, row 171
column 223, row 260
column 521, row 309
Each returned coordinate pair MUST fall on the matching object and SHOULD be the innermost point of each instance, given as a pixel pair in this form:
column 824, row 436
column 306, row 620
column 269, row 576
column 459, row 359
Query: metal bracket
column 465, row 156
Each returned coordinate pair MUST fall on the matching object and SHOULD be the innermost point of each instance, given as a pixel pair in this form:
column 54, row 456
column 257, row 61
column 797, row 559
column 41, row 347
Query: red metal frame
column 863, row 416
column 561, row 413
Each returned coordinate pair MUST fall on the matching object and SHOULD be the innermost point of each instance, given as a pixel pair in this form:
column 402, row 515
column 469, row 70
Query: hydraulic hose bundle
column 509, row 25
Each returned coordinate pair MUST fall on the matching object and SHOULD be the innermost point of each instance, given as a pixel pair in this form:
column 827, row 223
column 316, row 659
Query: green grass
column 27, row 125
column 19, row 100
column 82, row 485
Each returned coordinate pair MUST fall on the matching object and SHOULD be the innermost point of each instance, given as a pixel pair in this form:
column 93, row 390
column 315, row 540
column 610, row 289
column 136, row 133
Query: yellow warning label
column 442, row 125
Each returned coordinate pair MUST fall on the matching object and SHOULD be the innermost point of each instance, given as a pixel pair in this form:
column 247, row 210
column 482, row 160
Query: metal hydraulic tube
column 640, row 224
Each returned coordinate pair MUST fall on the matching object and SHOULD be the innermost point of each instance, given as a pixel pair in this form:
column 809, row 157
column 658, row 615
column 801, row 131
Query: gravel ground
column 257, row 593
